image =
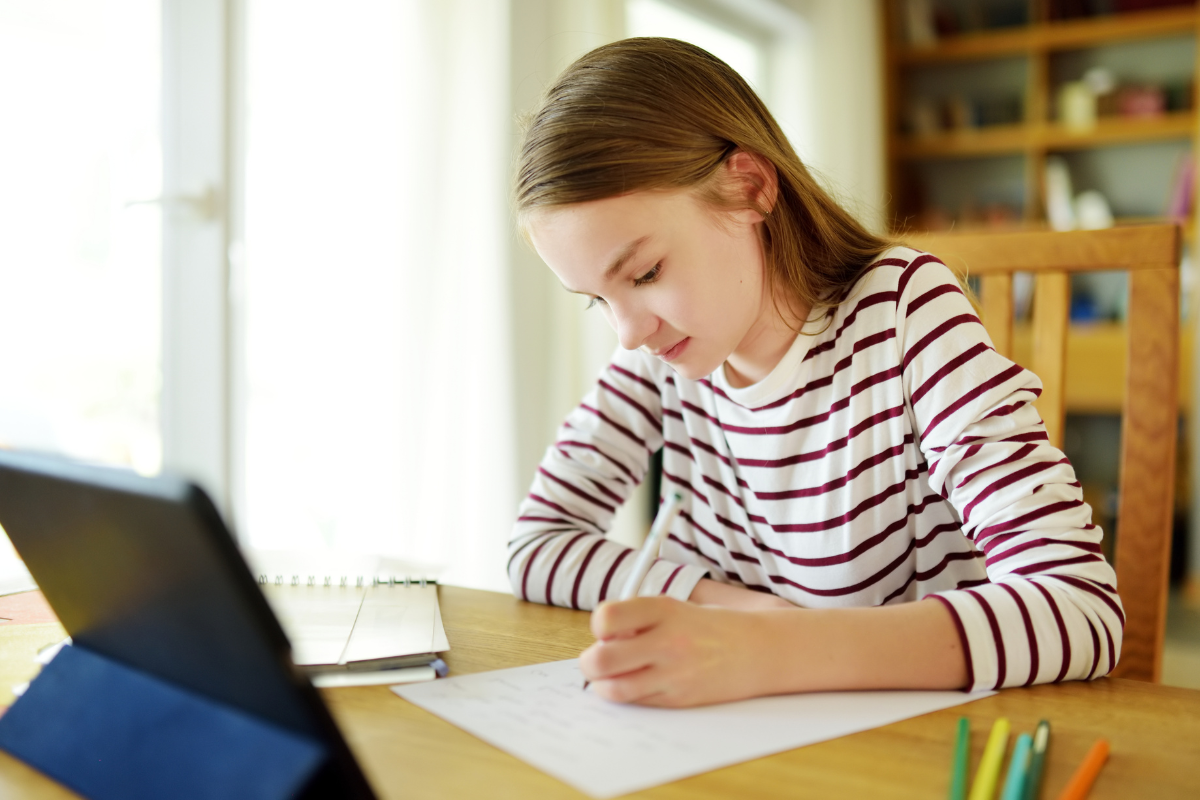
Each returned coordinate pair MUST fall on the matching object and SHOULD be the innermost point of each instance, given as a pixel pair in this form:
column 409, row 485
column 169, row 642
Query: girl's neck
column 765, row 344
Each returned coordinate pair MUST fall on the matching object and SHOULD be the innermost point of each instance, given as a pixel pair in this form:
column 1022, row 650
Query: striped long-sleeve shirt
column 891, row 455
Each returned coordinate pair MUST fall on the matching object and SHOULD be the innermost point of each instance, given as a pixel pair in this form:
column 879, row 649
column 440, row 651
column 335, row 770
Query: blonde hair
column 651, row 114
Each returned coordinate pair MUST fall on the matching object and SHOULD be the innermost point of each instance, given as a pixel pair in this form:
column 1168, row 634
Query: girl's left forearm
column 907, row 646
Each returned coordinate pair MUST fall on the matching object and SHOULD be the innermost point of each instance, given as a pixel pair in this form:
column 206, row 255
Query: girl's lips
column 676, row 351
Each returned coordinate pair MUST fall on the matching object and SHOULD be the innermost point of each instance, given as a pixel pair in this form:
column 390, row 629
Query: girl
column 871, row 500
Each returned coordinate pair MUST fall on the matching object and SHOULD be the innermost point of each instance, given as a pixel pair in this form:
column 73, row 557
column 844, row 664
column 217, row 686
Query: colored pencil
column 1018, row 769
column 984, row 787
column 962, row 753
column 1037, row 761
column 1081, row 782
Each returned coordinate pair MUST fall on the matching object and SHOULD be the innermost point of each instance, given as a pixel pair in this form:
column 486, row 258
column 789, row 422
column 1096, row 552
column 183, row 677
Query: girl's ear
column 752, row 183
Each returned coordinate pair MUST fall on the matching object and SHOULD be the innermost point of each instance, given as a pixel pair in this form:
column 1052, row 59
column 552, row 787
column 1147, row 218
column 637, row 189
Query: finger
column 642, row 687
column 613, row 657
column 628, row 617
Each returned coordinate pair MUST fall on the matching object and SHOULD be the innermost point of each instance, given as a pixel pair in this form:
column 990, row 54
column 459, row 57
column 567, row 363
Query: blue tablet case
column 109, row 731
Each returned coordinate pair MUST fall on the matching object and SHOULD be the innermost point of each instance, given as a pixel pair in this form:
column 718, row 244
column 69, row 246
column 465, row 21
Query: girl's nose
column 633, row 325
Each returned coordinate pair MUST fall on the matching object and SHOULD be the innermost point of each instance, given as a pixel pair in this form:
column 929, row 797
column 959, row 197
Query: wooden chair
column 1150, row 409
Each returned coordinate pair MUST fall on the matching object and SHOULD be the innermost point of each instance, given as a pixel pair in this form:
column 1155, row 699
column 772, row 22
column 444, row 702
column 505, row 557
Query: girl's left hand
column 658, row 651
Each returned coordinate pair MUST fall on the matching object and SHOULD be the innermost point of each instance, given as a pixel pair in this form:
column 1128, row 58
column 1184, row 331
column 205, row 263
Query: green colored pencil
column 962, row 752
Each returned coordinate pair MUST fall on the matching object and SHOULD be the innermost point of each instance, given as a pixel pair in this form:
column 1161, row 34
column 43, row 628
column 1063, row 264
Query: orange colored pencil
column 1081, row 782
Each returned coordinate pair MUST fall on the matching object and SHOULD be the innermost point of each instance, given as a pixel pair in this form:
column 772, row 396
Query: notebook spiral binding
column 359, row 581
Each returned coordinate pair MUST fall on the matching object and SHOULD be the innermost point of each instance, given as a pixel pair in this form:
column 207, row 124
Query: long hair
column 650, row 113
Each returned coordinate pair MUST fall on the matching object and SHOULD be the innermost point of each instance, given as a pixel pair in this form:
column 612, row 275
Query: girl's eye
column 594, row 301
column 649, row 277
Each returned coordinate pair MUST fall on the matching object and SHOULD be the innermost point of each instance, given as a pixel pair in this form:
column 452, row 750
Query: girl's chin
column 693, row 370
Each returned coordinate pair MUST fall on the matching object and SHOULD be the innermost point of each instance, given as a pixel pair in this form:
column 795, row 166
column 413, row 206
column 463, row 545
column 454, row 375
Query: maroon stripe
column 693, row 548
column 932, row 572
column 807, row 422
column 838, row 483
column 912, row 268
column 622, row 371
column 529, row 565
column 996, row 637
column 1033, row 645
column 586, row 446
column 611, row 495
column 583, row 570
column 934, row 335
column 615, row 425
column 611, row 571
column 1043, row 567
column 655, row 422
column 948, row 368
column 932, row 294
column 818, row 383
column 575, row 490
column 986, row 386
column 671, row 579
column 670, row 412
column 1008, row 480
column 1004, row 411
column 1112, row 658
column 996, row 558
column 1062, row 631
column 857, row 587
column 866, row 302
column 832, row 447
column 712, row 537
column 1095, row 649
column 1016, row 455
column 563, row 511
column 1091, row 588
column 678, row 448
column 1036, row 514
column 686, row 485
column 554, row 570
column 849, row 516
column 536, row 537
column 962, row 639
column 524, row 518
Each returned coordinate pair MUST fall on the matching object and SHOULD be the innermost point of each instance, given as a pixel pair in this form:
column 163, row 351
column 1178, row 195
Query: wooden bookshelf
column 1038, row 135
column 1048, row 37
column 1015, row 139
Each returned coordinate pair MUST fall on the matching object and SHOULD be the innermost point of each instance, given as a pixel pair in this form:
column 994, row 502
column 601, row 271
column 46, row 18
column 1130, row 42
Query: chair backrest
column 1149, row 415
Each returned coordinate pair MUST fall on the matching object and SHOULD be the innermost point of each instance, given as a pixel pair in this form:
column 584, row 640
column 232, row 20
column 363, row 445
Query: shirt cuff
column 672, row 580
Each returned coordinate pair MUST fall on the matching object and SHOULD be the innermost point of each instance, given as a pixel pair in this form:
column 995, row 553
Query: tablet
column 143, row 571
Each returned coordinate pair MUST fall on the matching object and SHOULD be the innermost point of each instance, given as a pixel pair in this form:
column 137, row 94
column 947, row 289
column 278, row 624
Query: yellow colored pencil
column 984, row 787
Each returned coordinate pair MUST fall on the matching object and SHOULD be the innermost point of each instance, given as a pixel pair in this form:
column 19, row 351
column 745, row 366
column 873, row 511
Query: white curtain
column 376, row 389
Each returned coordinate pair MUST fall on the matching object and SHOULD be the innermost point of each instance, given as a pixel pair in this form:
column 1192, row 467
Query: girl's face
column 672, row 275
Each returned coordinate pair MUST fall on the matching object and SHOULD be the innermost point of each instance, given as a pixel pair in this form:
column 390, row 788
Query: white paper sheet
column 542, row 715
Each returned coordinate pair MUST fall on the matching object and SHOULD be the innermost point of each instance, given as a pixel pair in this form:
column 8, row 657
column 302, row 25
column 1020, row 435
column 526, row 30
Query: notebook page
column 542, row 715
column 317, row 619
column 393, row 621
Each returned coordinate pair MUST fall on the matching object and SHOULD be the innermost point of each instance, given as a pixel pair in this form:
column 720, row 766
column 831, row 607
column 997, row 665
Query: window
column 737, row 45
column 80, row 265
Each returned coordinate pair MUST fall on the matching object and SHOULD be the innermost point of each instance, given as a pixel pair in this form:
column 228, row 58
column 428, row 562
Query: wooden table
column 406, row 752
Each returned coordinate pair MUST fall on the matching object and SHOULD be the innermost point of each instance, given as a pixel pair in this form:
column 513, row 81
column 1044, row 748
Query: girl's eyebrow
column 628, row 252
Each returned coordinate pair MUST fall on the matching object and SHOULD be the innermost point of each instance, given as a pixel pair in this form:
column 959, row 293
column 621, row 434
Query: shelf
column 1051, row 36
column 1001, row 140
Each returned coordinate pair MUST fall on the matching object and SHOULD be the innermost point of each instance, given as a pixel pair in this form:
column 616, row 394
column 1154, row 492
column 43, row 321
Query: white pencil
column 649, row 552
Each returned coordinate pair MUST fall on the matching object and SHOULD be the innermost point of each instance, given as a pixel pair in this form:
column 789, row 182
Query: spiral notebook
column 352, row 613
